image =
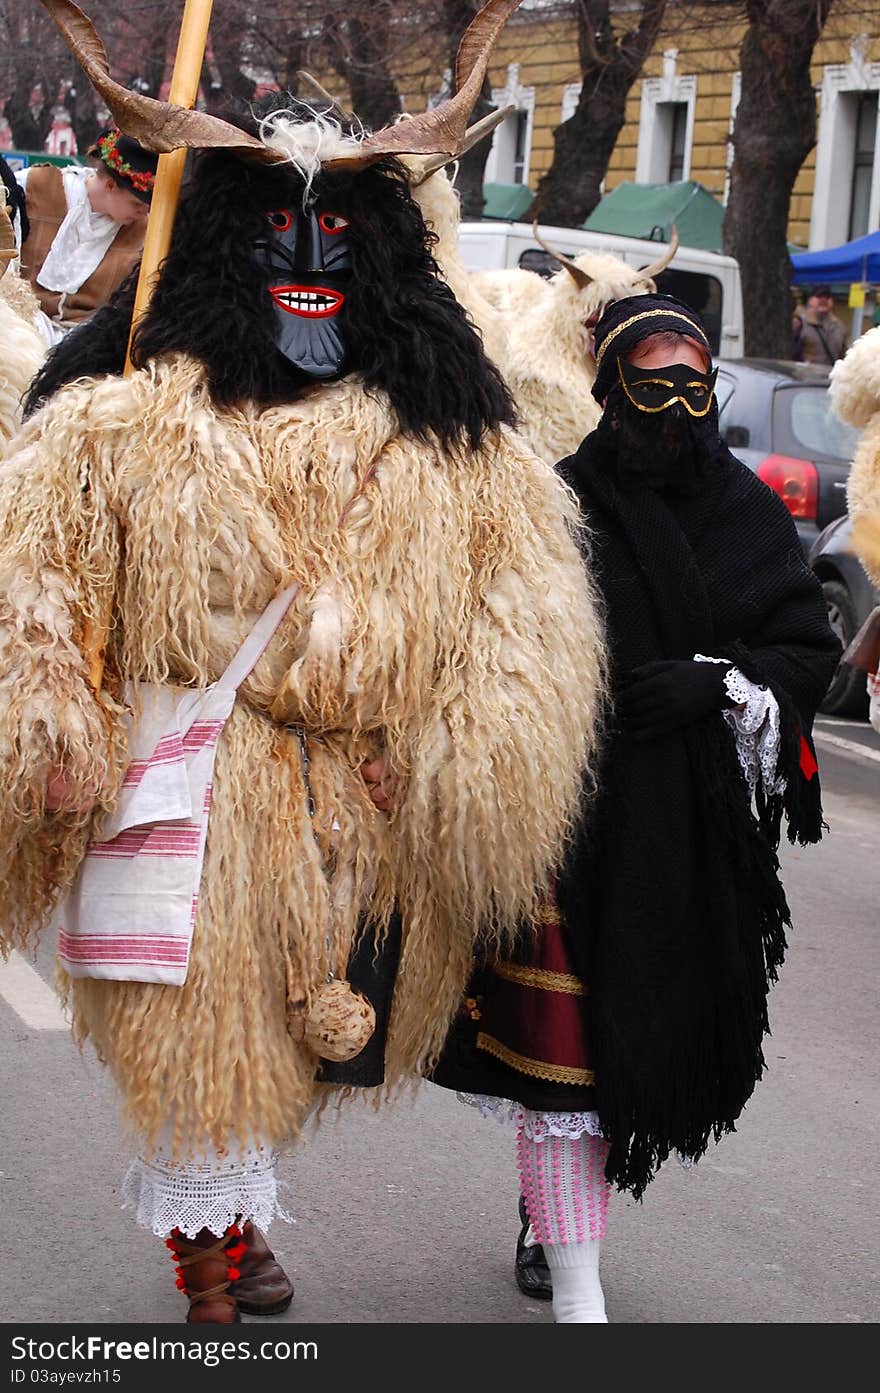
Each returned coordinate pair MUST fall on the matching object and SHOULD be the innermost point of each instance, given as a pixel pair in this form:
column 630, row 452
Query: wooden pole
column 185, row 79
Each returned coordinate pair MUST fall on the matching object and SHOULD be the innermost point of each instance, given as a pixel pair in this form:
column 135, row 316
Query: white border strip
column 35, row 1003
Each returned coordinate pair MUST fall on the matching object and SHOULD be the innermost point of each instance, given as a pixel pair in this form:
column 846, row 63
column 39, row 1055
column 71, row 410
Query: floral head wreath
column 107, row 149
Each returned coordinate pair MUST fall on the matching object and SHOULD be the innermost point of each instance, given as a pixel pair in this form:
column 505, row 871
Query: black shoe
column 530, row 1268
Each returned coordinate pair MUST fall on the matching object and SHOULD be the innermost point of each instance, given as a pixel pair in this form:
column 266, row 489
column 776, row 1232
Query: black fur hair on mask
column 405, row 332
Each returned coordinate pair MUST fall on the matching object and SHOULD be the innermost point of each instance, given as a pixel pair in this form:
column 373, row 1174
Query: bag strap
column 824, row 342
column 258, row 640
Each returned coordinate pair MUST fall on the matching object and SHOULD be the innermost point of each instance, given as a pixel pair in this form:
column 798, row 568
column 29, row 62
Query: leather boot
column 530, row 1266
column 263, row 1289
column 205, row 1272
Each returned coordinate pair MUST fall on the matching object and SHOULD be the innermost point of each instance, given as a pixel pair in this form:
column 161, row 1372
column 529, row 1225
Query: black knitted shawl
column 671, row 893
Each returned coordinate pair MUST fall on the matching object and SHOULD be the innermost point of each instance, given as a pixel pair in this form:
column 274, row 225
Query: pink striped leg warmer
column 564, row 1187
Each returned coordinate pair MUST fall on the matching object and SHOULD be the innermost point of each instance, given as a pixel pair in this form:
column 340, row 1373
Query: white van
column 706, row 281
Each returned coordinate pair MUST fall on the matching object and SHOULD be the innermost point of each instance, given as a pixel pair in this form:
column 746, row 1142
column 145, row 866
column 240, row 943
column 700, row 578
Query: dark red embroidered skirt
column 534, row 1015
column 524, row 1028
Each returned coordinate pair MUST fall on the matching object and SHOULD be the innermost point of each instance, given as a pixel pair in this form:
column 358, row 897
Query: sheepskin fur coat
column 22, row 350
column 855, row 393
column 448, row 623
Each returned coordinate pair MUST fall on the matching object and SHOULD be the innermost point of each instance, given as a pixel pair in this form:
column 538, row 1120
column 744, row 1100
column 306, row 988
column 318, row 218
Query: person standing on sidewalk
column 823, row 338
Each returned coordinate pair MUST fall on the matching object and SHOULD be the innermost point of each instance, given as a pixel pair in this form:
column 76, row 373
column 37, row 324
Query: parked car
column 777, row 418
column 850, row 597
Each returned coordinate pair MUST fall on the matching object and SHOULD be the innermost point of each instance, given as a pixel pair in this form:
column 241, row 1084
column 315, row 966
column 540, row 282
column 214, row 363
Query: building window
column 863, row 164
column 678, row 113
column 509, row 158
column 520, row 123
column 666, row 125
column 846, row 195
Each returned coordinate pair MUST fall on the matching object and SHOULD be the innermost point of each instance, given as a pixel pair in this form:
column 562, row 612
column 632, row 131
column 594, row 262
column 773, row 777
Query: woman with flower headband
column 86, row 229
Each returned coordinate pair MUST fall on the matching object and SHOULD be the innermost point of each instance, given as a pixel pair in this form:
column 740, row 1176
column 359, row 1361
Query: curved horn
column 159, row 126
column 442, row 130
column 473, row 133
column 580, row 278
column 649, row 272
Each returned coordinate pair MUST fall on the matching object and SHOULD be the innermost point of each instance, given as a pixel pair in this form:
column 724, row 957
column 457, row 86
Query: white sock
column 577, row 1291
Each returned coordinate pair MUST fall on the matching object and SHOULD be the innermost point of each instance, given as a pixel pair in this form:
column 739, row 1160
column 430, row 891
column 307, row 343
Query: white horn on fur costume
column 580, row 278
column 649, row 272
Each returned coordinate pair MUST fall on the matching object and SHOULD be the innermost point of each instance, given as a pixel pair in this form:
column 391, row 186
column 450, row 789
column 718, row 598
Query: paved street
column 411, row 1215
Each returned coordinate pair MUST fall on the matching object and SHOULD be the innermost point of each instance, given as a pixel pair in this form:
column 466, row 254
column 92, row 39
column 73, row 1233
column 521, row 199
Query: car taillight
column 795, row 480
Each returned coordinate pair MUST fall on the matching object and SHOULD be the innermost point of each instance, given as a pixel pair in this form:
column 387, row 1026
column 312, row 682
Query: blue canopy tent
column 857, row 261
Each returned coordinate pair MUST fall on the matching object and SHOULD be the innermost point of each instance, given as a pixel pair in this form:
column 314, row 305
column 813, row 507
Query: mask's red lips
column 309, row 301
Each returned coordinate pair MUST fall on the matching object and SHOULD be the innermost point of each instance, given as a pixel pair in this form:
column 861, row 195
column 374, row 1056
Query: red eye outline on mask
column 342, row 224
column 286, row 219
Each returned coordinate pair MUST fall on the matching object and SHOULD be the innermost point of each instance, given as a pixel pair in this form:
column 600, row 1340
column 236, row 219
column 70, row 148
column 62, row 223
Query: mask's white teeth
column 305, row 302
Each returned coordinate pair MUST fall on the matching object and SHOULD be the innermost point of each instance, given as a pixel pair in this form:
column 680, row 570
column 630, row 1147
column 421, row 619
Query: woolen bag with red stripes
column 130, row 914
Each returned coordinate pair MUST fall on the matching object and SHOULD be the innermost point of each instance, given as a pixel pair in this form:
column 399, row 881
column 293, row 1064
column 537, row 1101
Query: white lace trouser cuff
column 537, row 1126
column 211, row 1191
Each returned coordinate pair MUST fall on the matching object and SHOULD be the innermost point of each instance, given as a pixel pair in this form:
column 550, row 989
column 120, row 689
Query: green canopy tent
column 509, row 202
column 649, row 211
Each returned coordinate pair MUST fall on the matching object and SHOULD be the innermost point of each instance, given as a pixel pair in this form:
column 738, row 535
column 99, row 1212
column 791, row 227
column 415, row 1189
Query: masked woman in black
column 629, row 1023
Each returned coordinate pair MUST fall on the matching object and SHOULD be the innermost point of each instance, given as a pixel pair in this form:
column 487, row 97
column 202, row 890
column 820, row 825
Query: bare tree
column 358, row 46
column 610, row 61
column 774, row 131
column 223, row 77
column 35, row 63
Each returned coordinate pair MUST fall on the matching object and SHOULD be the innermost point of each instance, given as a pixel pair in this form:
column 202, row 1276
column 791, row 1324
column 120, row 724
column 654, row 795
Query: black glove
column 670, row 693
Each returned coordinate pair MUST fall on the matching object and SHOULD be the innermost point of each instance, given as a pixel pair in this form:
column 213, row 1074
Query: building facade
column 680, row 111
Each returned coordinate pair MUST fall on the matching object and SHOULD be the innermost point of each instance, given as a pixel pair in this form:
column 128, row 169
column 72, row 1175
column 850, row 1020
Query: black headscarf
column 672, row 448
column 625, row 323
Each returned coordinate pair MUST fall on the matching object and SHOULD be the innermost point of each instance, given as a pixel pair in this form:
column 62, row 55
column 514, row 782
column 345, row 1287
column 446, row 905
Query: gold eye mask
column 656, row 389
